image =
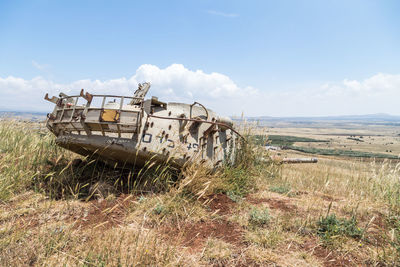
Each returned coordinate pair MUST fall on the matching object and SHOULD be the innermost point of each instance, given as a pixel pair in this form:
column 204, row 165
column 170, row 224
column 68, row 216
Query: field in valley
column 58, row 209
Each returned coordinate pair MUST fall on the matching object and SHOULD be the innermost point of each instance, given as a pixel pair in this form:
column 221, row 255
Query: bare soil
column 197, row 234
column 221, row 204
column 274, row 203
column 329, row 258
column 105, row 214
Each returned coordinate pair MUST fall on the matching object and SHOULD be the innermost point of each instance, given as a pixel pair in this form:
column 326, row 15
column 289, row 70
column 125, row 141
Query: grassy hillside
column 59, row 209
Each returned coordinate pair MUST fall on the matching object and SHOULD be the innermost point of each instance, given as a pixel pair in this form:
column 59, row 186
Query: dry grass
column 49, row 216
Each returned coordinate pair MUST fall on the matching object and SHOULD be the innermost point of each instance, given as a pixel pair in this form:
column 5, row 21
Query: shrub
column 158, row 209
column 281, row 189
column 234, row 197
column 259, row 217
column 237, row 182
column 330, row 227
column 266, row 238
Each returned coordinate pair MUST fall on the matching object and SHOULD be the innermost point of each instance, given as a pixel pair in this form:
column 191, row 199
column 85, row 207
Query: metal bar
column 120, row 108
column 126, row 110
column 62, row 112
column 72, row 115
column 119, row 131
column 83, row 118
column 115, row 96
column 102, row 130
column 74, row 108
column 121, row 103
column 53, row 99
column 118, row 96
column 103, row 123
column 139, row 118
column 192, row 105
column 102, row 107
column 103, row 102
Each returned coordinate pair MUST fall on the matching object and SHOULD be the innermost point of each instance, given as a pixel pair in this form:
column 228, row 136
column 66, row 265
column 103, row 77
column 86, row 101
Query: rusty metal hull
column 142, row 130
column 123, row 152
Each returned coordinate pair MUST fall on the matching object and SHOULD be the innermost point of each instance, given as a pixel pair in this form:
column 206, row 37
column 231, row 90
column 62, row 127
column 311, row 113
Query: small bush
column 330, row 227
column 259, row 217
column 232, row 196
column 281, row 189
column 142, row 199
column 158, row 209
column 237, row 181
column 266, row 238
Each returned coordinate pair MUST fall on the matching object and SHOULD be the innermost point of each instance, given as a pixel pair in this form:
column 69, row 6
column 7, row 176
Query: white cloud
column 174, row 83
column 376, row 94
column 379, row 93
column 180, row 83
column 222, row 14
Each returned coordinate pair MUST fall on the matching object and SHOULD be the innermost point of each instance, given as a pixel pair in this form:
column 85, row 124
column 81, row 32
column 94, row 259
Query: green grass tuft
column 331, row 227
column 281, row 189
column 259, row 217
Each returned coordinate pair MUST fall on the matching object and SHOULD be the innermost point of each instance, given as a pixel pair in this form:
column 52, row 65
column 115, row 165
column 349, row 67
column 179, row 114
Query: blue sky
column 270, row 51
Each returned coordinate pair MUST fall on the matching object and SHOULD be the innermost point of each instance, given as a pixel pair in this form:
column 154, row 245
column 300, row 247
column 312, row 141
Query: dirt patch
column 220, row 203
column 376, row 233
column 298, row 193
column 105, row 214
column 28, row 222
column 249, row 262
column 328, row 257
column 329, row 198
column 225, row 230
column 194, row 235
column 284, row 205
column 376, row 237
column 380, row 220
column 274, row 203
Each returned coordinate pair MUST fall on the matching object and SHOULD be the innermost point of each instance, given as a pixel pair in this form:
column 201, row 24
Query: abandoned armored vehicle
column 132, row 131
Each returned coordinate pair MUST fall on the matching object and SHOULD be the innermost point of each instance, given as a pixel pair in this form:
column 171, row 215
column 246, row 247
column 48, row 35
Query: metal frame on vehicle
column 70, row 117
